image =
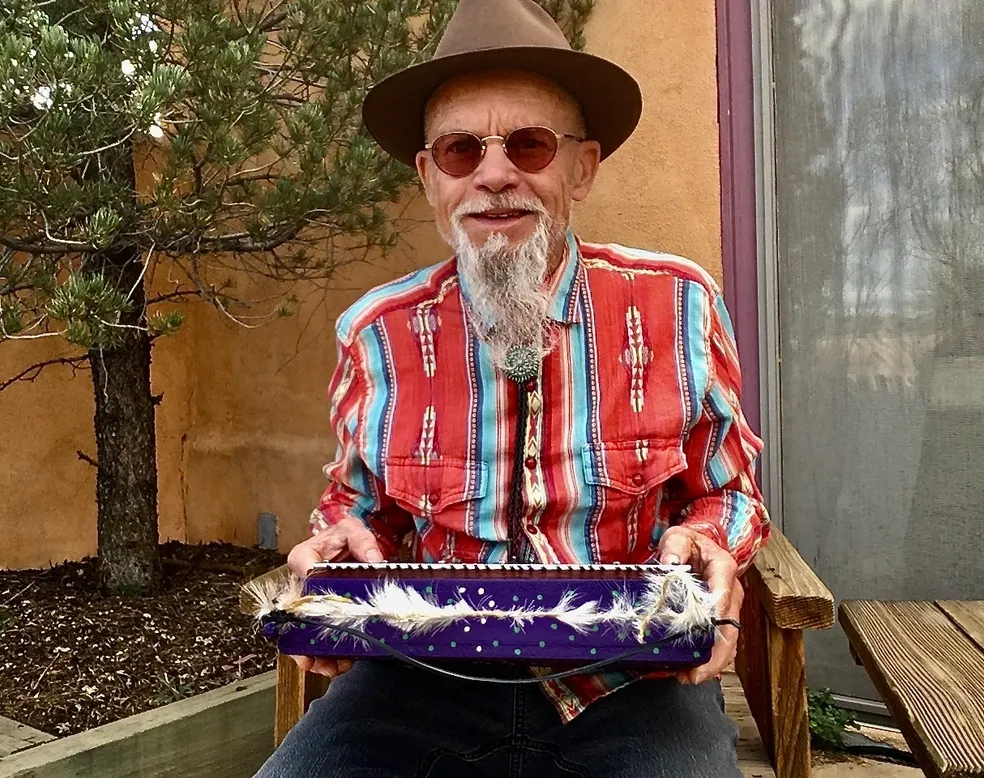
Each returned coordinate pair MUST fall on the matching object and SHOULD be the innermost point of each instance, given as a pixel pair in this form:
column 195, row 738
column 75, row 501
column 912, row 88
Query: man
column 535, row 398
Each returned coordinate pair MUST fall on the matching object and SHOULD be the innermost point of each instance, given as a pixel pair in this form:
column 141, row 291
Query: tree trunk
column 126, row 487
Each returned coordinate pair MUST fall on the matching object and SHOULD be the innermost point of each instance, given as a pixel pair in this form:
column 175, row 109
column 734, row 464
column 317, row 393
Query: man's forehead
column 494, row 102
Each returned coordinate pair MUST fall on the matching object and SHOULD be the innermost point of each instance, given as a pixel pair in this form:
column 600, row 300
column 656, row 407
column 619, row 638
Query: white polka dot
column 479, row 649
column 461, row 589
column 484, row 619
column 481, row 591
column 491, row 603
column 467, row 629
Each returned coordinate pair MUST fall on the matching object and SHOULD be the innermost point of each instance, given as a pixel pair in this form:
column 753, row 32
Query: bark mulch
column 72, row 659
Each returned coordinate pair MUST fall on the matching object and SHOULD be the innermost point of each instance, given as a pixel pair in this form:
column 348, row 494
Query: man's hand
column 349, row 539
column 684, row 546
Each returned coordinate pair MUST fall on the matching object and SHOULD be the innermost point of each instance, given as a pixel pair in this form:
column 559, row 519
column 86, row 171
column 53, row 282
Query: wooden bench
column 783, row 597
column 927, row 661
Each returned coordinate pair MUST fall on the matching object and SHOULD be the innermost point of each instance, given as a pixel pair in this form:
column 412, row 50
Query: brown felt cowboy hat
column 513, row 34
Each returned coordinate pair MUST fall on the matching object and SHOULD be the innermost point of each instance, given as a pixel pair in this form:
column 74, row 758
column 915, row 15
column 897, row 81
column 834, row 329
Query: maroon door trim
column 736, row 118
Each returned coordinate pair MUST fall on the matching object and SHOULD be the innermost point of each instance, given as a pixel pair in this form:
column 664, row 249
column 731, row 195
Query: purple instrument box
column 544, row 641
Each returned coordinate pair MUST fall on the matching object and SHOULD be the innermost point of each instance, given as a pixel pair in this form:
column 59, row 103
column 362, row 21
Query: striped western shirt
column 633, row 424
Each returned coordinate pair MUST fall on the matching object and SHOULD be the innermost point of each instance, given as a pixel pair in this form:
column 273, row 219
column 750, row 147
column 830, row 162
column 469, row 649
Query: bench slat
column 969, row 616
column 931, row 676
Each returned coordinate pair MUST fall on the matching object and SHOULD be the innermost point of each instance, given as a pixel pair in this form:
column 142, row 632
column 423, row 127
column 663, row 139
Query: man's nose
column 496, row 172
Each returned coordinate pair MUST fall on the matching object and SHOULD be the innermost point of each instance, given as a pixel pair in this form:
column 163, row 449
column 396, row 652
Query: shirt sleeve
column 717, row 494
column 354, row 490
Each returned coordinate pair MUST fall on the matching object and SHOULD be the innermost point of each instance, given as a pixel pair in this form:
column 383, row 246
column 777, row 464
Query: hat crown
column 492, row 24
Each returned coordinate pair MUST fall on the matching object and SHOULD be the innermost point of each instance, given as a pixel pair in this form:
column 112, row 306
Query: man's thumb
column 674, row 549
column 362, row 544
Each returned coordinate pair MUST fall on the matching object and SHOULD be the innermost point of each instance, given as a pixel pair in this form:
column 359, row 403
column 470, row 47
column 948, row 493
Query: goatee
column 507, row 302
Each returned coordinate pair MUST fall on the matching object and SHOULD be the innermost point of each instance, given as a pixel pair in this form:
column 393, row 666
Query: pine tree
column 248, row 114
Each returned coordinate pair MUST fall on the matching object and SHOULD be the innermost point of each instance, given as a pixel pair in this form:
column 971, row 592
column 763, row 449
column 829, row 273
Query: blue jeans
column 386, row 719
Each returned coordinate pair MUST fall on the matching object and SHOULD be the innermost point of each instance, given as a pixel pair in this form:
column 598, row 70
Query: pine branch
column 44, row 248
column 31, row 373
column 164, row 296
column 273, row 19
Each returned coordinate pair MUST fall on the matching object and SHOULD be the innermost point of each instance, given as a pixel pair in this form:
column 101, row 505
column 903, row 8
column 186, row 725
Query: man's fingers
column 325, row 666
column 722, row 655
column 687, row 677
column 720, row 573
column 322, row 665
column 363, row 546
column 675, row 548
column 331, row 667
column 302, row 558
column 304, row 662
column 335, row 544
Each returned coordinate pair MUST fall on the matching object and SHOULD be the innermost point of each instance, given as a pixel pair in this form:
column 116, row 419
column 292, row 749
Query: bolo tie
column 521, row 367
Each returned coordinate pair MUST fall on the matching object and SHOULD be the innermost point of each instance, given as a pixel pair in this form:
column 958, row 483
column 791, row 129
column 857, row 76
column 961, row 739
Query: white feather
column 271, row 594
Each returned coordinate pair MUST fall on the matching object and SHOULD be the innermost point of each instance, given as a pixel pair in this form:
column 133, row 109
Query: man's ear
column 425, row 169
column 586, row 168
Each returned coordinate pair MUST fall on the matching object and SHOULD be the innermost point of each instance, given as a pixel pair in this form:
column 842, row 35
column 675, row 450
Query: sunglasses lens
column 531, row 148
column 457, row 153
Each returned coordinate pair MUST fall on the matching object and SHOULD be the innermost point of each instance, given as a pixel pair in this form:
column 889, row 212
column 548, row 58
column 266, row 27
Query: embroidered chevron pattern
column 426, row 450
column 636, row 357
column 424, row 324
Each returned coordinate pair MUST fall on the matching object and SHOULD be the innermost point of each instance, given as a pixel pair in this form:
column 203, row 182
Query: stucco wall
column 243, row 426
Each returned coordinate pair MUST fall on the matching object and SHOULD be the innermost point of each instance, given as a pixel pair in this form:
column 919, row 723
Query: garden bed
column 72, row 660
column 223, row 733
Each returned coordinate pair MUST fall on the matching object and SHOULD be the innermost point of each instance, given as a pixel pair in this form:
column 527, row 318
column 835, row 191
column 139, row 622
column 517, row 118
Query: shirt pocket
column 629, row 478
column 633, row 467
column 445, row 486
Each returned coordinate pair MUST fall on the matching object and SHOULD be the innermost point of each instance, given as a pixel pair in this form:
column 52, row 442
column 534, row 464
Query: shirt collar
column 565, row 286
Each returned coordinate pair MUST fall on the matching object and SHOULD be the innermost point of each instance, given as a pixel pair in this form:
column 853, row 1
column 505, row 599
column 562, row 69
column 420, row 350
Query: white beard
column 507, row 303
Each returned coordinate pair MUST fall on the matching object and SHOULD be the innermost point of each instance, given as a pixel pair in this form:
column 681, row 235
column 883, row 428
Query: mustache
column 503, row 201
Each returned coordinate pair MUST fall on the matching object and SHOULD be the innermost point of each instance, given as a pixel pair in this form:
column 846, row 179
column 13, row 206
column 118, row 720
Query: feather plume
column 272, row 594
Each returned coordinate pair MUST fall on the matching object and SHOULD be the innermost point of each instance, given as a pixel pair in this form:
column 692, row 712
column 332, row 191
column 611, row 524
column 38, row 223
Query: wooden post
column 290, row 697
column 752, row 667
column 296, row 690
column 771, row 666
column 790, row 717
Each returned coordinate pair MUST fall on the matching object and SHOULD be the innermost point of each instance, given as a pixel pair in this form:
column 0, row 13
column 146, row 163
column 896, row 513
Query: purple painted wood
column 542, row 641
column 736, row 117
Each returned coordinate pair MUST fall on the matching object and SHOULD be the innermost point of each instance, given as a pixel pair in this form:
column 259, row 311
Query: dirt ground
column 71, row 659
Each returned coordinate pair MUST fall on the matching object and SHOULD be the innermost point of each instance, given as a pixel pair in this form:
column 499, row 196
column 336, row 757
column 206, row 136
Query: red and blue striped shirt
column 633, row 424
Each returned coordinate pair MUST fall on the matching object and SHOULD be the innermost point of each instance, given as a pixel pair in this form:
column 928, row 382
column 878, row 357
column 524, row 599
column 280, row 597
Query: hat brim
column 610, row 98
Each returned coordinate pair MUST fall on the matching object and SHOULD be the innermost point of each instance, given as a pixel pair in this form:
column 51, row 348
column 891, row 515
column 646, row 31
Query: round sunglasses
column 530, row 149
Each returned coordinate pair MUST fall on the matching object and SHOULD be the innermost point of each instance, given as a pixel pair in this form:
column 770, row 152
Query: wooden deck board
column 16, row 737
column 969, row 616
column 752, row 759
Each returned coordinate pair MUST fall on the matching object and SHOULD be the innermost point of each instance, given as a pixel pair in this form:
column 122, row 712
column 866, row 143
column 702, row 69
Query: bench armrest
column 791, row 593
